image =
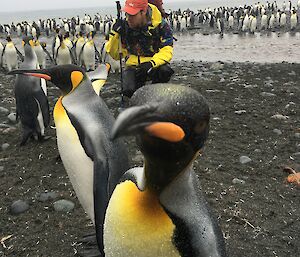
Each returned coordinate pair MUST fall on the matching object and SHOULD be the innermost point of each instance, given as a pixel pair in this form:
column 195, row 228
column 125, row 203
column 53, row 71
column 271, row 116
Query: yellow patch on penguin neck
column 136, row 223
column 76, row 78
column 59, row 111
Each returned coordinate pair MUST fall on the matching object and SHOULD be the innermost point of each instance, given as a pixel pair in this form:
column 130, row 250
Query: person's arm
column 112, row 45
column 165, row 53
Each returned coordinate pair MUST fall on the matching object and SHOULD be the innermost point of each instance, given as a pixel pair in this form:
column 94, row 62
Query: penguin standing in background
column 63, row 53
column 83, row 124
column 160, row 209
column 55, row 43
column 10, row 55
column 78, row 47
column 41, row 58
column 88, row 52
column 31, row 97
column 293, row 19
column 1, row 51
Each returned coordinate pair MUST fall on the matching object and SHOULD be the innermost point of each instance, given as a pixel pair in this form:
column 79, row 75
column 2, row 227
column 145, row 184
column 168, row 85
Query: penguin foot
column 90, row 247
column 89, row 239
column 44, row 138
column 90, row 252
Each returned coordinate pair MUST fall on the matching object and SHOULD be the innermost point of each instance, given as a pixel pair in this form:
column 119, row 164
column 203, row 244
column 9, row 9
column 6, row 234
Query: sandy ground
column 255, row 113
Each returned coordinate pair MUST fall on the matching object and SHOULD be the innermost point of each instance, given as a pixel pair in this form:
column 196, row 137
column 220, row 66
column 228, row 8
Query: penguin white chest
column 77, row 164
column 63, row 56
column 136, row 225
column 11, row 57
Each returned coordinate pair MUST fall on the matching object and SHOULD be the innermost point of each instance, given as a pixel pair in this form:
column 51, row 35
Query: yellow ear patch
column 76, row 78
column 167, row 131
column 23, row 43
column 31, row 43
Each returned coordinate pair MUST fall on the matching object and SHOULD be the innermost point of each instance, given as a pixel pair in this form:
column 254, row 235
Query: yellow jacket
column 164, row 52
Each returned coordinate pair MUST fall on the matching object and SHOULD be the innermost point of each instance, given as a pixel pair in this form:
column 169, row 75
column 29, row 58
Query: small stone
column 9, row 130
column 297, row 135
column 1, row 168
column 4, row 125
column 43, row 197
column 277, row 131
column 4, row 146
column 63, row 205
column 257, row 151
column 280, row 117
column 267, row 94
column 19, row 207
column 238, row 181
column 4, row 111
column 240, row 112
column 217, row 66
column 12, row 117
column 244, row 159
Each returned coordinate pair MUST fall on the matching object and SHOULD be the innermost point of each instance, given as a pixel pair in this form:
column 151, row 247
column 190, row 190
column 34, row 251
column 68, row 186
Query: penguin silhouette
column 83, row 124
column 31, row 97
column 160, row 209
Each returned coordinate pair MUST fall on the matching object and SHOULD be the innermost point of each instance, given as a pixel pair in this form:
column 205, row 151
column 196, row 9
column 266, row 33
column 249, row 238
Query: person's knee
column 163, row 74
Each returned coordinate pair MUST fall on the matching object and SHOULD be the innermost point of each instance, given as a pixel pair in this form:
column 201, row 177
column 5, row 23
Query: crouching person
column 147, row 45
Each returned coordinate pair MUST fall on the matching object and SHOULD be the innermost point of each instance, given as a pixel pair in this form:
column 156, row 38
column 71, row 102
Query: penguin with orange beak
column 83, row 124
column 160, row 209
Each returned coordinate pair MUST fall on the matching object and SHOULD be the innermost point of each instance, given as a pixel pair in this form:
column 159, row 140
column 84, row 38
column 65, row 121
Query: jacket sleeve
column 112, row 46
column 165, row 53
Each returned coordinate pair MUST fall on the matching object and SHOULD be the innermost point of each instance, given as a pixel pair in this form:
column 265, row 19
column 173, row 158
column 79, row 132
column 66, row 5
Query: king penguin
column 83, row 124
column 10, row 55
column 160, row 209
column 31, row 97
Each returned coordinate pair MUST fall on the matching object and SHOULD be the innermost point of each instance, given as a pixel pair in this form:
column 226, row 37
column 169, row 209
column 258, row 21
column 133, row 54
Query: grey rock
column 1, row 168
column 4, row 146
column 12, row 117
column 3, row 111
column 63, row 205
column 9, row 130
column 3, row 125
column 43, row 197
column 297, row 135
column 277, row 131
column 240, row 112
column 280, row 117
column 244, row 159
column 19, row 207
column 257, row 151
column 238, row 181
column 267, row 94
column 217, row 66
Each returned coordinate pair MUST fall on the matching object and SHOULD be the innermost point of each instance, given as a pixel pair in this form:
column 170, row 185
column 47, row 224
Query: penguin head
column 28, row 40
column 65, row 77
column 171, row 124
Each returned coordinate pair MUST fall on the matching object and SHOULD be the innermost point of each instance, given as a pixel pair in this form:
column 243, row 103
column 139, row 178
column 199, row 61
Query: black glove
column 119, row 26
column 143, row 70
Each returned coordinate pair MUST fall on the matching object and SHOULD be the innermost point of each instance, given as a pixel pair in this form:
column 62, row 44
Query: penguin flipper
column 101, row 198
column 44, row 104
column 197, row 232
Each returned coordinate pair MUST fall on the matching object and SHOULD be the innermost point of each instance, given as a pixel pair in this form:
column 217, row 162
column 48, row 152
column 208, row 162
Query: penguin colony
column 73, row 38
column 161, row 203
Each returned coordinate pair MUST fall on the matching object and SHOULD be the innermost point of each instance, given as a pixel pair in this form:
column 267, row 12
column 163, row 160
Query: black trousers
column 131, row 82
